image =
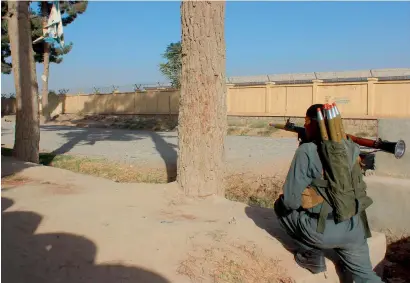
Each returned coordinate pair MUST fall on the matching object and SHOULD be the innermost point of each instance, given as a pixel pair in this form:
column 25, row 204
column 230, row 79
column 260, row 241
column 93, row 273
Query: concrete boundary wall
column 386, row 164
column 390, row 208
column 371, row 99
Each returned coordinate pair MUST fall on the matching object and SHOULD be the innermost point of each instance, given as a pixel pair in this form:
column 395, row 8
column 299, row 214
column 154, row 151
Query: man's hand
column 378, row 142
column 359, row 160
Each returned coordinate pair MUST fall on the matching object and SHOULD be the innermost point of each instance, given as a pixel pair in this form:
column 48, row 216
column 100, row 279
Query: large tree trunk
column 46, row 64
column 202, row 121
column 27, row 136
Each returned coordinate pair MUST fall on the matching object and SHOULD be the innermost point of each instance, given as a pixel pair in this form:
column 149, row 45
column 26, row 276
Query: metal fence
column 292, row 78
column 8, row 95
column 345, row 76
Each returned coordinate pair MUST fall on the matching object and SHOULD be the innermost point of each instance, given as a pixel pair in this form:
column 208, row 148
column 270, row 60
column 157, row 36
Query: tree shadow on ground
column 266, row 219
column 90, row 136
column 56, row 257
column 123, row 104
column 10, row 165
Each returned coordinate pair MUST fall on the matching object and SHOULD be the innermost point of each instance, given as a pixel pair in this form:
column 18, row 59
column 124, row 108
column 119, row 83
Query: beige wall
column 153, row 102
column 358, row 100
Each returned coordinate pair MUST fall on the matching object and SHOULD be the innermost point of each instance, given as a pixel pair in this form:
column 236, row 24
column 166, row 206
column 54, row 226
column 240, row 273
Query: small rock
column 232, row 221
column 49, row 247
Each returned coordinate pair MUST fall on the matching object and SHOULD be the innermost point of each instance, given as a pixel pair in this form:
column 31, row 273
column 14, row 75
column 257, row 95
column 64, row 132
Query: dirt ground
column 78, row 228
column 59, row 226
column 65, row 231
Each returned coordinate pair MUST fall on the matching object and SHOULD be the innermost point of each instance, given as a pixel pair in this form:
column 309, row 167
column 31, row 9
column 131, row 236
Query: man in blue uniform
column 347, row 238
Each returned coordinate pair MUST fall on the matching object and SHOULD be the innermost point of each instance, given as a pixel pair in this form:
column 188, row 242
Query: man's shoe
column 312, row 260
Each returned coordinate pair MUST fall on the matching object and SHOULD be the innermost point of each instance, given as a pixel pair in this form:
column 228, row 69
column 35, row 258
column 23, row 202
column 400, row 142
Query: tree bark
column 202, row 121
column 27, row 131
column 46, row 63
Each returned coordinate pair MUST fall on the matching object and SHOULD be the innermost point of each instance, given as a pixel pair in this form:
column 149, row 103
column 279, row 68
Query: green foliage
column 69, row 12
column 5, row 46
column 172, row 68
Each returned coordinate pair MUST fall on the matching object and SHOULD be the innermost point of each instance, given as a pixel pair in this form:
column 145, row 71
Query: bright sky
column 120, row 43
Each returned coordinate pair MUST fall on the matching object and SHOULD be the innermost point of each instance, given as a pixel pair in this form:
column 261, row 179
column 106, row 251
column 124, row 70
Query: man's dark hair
column 312, row 110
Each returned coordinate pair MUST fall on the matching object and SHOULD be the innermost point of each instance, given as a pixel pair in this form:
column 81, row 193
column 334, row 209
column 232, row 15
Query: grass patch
column 236, row 123
column 100, row 167
column 264, row 131
column 258, row 124
column 267, row 132
column 163, row 123
column 225, row 261
column 117, row 172
column 233, row 131
column 152, row 124
column 237, row 131
column 256, row 190
column 244, row 132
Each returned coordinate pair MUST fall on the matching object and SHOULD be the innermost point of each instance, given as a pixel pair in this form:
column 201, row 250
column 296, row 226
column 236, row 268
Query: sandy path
column 150, row 148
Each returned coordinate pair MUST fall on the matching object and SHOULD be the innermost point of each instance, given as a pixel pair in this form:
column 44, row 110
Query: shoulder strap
column 321, row 185
column 363, row 217
column 324, row 212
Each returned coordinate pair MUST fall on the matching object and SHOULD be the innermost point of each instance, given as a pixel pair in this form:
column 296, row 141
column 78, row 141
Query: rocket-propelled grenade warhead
column 336, row 123
column 340, row 121
column 331, row 123
column 322, row 125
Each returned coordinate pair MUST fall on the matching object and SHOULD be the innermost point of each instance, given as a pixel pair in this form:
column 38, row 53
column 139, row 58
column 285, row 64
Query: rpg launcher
column 397, row 148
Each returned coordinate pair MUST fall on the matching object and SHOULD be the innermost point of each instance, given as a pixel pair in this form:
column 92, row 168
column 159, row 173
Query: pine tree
column 5, row 41
column 172, row 68
column 46, row 54
column 43, row 52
